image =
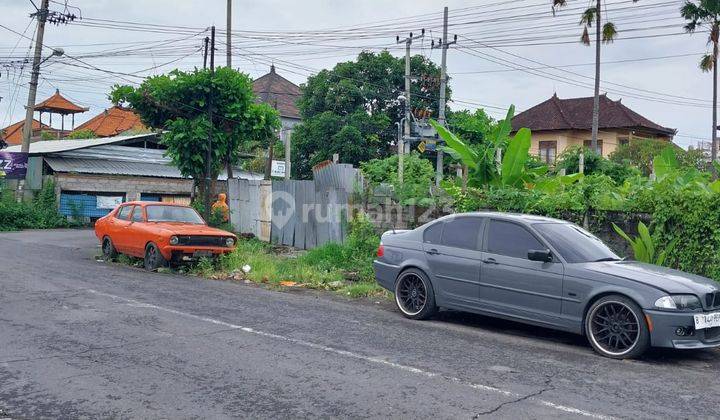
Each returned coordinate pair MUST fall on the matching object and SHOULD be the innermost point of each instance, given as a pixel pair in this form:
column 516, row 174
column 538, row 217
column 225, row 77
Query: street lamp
column 57, row 52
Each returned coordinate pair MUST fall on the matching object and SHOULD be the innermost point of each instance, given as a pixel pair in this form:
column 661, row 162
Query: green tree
column 706, row 13
column 351, row 109
column 178, row 103
column 641, row 153
column 82, row 134
column 419, row 174
column 473, row 127
column 607, row 34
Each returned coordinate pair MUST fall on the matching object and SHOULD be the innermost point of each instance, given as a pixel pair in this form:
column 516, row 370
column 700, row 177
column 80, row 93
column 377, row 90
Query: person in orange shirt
column 221, row 204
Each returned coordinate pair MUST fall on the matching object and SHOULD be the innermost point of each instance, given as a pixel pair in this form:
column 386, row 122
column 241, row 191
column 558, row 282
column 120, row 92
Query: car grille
column 198, row 240
column 712, row 300
column 712, row 334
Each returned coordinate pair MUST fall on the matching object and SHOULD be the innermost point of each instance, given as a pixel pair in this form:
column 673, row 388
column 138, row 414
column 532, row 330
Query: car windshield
column 575, row 244
column 173, row 214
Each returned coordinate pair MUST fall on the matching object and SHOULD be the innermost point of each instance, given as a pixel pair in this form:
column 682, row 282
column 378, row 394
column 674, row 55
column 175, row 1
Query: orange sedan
column 161, row 234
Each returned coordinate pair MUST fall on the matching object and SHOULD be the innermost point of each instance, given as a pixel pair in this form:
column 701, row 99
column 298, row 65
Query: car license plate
column 202, row 254
column 707, row 320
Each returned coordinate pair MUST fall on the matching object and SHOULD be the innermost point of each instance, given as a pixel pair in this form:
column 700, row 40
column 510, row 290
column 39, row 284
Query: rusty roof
column 59, row 104
column 278, row 92
column 576, row 114
column 12, row 134
column 113, row 122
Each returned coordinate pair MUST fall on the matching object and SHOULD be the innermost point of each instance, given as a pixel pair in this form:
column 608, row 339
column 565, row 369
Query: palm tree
column 607, row 34
column 706, row 13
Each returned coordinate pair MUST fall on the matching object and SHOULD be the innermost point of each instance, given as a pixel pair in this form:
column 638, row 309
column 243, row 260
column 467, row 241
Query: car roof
column 520, row 217
column 153, row 203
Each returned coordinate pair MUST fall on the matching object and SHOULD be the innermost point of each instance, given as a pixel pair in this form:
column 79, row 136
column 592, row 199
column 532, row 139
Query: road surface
column 81, row 338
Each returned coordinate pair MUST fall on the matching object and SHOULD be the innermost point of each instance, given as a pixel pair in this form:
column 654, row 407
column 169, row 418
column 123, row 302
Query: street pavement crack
column 547, row 387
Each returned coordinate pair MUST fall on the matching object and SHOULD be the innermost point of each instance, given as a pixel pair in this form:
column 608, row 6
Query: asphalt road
column 80, row 338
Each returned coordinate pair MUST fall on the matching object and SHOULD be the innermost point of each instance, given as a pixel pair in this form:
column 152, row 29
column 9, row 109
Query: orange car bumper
column 177, row 252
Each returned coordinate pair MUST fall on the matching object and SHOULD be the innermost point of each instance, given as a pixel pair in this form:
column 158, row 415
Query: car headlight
column 230, row 242
column 679, row 302
column 174, row 240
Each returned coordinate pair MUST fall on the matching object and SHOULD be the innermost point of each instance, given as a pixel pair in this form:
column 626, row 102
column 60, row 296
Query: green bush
column 418, row 175
column 40, row 213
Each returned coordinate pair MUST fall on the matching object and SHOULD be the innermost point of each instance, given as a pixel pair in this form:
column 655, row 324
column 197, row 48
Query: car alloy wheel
column 414, row 295
column 616, row 328
column 153, row 258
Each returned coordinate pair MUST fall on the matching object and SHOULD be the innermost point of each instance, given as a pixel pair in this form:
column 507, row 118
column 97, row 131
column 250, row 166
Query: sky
column 507, row 51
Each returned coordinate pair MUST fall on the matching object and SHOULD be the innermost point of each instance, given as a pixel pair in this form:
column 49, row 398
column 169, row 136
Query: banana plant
column 643, row 246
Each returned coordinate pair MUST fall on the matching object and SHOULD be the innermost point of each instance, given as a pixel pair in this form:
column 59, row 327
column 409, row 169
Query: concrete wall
column 567, row 138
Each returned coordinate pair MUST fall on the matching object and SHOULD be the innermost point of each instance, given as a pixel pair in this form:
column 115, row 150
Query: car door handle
column 489, row 261
column 432, row 251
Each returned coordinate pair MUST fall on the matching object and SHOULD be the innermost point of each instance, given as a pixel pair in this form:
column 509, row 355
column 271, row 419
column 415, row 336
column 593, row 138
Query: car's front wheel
column 153, row 258
column 414, row 295
column 616, row 328
column 108, row 249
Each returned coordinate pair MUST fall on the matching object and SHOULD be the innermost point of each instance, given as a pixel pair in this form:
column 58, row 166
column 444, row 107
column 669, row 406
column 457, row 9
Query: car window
column 462, row 232
column 433, row 233
column 510, row 239
column 124, row 212
column 161, row 213
column 574, row 243
column 137, row 215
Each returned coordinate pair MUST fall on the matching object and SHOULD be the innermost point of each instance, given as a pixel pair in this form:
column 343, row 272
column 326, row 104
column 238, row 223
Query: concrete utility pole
column 229, row 36
column 286, row 134
column 208, row 155
column 444, row 44
column 205, row 52
column 30, row 108
column 408, row 79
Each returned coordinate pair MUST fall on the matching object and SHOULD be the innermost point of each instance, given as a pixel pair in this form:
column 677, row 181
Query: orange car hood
column 190, row 229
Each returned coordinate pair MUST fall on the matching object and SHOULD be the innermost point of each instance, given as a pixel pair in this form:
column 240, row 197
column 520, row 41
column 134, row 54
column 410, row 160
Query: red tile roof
column 576, row 114
column 112, row 122
column 278, row 92
column 59, row 104
column 12, row 134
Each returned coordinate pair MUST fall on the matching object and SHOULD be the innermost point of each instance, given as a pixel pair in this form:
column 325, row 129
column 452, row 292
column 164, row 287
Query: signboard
column 13, row 165
column 277, row 168
column 105, row 202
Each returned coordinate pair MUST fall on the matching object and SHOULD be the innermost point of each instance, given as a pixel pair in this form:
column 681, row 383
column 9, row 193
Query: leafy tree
column 82, row 134
column 351, row 109
column 595, row 164
column 473, row 127
column 418, row 177
column 177, row 102
column 641, row 153
column 706, row 13
column 607, row 34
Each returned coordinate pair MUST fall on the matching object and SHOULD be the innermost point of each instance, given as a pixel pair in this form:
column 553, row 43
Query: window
column 574, row 243
column 462, row 232
column 137, row 215
column 548, row 150
column 623, row 141
column 588, row 144
column 124, row 212
column 160, row 213
column 433, row 233
column 510, row 239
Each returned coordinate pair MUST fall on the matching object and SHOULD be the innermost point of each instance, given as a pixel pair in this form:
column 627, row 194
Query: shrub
column 418, row 177
column 40, row 213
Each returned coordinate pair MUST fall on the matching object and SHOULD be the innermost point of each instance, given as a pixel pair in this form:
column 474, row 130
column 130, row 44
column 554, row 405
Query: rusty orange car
column 161, row 234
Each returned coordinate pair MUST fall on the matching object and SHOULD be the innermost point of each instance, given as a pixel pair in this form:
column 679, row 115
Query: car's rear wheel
column 414, row 294
column 108, row 249
column 153, row 258
column 616, row 328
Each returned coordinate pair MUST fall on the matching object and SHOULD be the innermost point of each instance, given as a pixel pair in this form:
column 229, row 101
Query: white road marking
column 376, row 360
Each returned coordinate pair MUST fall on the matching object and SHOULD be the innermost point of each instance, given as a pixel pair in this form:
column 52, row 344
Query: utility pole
column 444, row 45
column 41, row 15
column 208, row 155
column 229, row 36
column 408, row 79
column 205, row 52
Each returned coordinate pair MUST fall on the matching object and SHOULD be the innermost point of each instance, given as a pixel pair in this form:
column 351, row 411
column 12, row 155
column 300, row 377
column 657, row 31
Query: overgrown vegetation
column 40, row 213
column 418, row 174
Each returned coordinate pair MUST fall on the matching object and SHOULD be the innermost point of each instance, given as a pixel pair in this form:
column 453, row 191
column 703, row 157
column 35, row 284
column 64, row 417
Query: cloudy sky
column 508, row 51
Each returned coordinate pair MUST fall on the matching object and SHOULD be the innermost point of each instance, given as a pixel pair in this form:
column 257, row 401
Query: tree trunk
column 596, row 99
column 268, row 165
column 714, row 152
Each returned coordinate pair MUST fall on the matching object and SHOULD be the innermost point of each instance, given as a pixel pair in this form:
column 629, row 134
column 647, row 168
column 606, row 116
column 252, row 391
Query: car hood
column 191, row 229
column 667, row 279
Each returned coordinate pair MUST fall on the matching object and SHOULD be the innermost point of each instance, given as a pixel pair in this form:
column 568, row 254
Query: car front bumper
column 180, row 253
column 665, row 327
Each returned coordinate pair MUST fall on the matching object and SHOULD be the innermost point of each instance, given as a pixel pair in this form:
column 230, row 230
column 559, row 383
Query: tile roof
column 59, row 104
column 12, row 134
column 576, row 114
column 278, row 92
column 112, row 122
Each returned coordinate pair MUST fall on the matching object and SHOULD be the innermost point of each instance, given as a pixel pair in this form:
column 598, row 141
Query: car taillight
column 381, row 251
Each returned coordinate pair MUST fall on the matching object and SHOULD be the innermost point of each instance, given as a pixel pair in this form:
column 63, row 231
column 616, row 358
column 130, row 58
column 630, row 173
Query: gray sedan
column 550, row 273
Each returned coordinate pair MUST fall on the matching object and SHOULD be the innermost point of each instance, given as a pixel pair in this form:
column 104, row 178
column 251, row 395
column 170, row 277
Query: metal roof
column 123, row 160
column 57, row 146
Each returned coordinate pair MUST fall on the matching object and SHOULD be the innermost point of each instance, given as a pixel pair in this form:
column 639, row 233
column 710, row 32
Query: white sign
column 278, row 168
column 104, row 202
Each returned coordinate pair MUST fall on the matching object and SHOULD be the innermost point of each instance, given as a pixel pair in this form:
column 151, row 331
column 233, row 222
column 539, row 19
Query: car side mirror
column 542, row 255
